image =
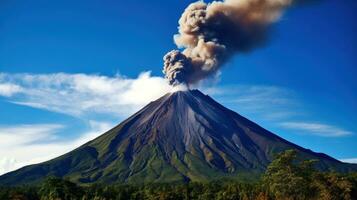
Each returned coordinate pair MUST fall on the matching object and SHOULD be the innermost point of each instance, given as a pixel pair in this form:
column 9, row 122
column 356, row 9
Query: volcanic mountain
column 182, row 136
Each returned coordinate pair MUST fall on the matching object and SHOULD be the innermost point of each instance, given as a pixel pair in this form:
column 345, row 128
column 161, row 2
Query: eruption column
column 209, row 34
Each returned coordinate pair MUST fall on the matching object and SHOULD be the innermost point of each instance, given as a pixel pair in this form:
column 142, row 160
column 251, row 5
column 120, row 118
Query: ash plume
column 210, row 33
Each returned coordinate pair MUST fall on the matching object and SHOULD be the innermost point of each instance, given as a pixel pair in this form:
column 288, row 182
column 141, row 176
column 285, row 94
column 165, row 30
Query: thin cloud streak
column 349, row 160
column 318, row 129
column 27, row 133
column 270, row 103
column 273, row 104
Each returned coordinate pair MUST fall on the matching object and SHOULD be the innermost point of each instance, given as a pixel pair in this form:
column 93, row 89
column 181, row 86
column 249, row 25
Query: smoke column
column 209, row 34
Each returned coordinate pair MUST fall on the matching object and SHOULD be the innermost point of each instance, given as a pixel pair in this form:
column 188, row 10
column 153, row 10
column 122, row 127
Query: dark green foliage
column 55, row 188
column 333, row 186
column 352, row 177
column 286, row 178
column 19, row 193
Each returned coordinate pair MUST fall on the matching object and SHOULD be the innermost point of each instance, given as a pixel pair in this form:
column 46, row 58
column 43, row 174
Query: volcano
column 182, row 136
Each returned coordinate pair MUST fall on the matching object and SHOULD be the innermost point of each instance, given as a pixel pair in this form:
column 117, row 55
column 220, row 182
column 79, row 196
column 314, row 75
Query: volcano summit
column 182, row 136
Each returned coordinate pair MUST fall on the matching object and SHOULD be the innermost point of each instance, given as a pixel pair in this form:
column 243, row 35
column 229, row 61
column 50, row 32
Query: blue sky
column 69, row 70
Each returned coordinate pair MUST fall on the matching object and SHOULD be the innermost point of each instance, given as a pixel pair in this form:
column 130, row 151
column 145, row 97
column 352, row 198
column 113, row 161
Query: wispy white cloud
column 7, row 164
column 24, row 134
column 269, row 102
column 8, row 89
column 319, row 129
column 349, row 160
column 80, row 94
column 22, row 145
column 14, row 139
column 274, row 104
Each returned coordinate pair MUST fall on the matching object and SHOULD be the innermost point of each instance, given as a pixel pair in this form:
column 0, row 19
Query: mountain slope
column 181, row 136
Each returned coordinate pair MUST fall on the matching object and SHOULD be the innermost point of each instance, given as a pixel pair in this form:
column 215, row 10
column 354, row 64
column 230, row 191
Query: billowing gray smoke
column 211, row 33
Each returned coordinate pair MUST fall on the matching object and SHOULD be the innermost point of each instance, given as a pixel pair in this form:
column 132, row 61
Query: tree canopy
column 286, row 178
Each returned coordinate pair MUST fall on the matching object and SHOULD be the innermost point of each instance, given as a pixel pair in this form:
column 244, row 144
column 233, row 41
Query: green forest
column 286, row 178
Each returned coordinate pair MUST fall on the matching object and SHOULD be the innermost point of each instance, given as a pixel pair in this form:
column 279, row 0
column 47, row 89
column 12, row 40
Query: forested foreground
column 285, row 178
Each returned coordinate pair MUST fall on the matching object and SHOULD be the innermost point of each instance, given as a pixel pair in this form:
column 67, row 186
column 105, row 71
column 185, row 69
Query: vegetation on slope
column 286, row 178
